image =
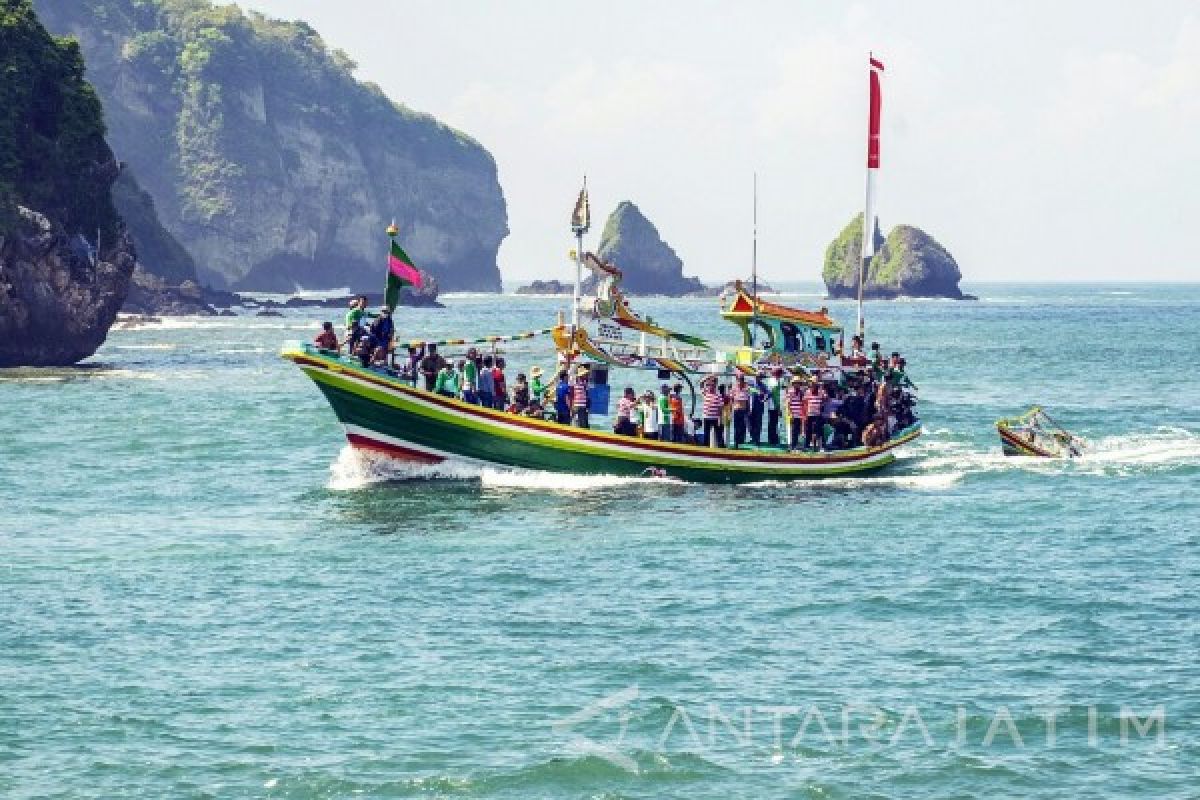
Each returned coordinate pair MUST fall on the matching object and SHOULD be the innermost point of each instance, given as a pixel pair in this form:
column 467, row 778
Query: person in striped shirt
column 793, row 402
column 711, row 406
column 814, row 427
column 625, row 410
column 740, row 399
column 579, row 399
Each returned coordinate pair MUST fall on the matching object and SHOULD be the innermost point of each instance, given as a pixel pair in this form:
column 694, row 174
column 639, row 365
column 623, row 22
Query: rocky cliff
column 159, row 253
column 907, row 263
column 65, row 259
column 650, row 266
column 269, row 162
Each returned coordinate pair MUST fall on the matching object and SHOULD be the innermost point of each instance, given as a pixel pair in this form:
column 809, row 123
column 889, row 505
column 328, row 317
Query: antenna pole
column 754, row 265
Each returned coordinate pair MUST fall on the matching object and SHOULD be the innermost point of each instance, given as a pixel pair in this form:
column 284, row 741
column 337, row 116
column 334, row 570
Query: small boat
column 1034, row 433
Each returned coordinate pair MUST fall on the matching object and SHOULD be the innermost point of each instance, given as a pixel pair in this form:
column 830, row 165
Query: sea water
column 204, row 593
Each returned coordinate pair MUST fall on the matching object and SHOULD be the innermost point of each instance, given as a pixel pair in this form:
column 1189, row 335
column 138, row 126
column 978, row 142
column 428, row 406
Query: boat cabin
column 790, row 334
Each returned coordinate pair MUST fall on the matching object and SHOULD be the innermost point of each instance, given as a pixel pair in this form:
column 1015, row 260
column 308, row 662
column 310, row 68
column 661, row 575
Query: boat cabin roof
column 742, row 309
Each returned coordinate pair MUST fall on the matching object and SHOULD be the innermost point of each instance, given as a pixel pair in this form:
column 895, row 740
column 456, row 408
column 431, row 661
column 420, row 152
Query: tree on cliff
column 60, row 289
column 269, row 162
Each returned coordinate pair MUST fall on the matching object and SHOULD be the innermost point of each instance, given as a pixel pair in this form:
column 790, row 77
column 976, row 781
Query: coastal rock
column 151, row 295
column 56, row 304
column 65, row 258
column 650, row 266
column 908, row 263
column 728, row 288
column 552, row 286
column 269, row 162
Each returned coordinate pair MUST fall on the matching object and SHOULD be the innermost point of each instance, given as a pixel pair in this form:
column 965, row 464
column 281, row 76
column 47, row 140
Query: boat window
column 764, row 337
column 819, row 341
column 791, row 337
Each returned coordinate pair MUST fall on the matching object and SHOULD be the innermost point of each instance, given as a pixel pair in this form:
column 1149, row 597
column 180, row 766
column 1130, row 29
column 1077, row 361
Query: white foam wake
column 358, row 469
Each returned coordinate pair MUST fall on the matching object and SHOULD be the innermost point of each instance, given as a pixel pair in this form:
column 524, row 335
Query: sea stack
column 650, row 265
column 65, row 258
column 907, row 263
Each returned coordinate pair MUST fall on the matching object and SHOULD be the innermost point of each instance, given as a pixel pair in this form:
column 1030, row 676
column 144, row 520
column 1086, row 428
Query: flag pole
column 868, row 236
column 754, row 265
column 579, row 224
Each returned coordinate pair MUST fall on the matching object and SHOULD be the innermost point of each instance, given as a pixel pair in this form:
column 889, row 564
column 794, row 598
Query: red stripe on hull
column 395, row 451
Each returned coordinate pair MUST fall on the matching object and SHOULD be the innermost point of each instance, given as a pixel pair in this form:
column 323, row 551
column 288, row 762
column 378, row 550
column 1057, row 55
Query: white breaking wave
column 1164, row 446
column 927, row 482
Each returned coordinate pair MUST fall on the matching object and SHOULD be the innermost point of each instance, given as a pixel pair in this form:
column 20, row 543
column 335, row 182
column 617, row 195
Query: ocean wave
column 926, row 482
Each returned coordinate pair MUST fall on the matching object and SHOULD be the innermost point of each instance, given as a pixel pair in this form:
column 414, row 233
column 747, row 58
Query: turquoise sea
column 204, row 594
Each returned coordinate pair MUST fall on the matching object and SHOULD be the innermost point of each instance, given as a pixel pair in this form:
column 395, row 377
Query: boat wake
column 1163, row 449
column 357, row 469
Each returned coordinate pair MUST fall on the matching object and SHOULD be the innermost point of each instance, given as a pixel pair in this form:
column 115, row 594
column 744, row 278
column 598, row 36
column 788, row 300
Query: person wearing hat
column 579, row 399
column 774, row 402
column 651, row 421
column 537, row 389
column 383, row 329
column 794, row 402
column 663, row 403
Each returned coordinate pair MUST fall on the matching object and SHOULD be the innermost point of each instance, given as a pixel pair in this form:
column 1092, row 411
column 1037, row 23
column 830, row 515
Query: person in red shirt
column 678, row 423
column 326, row 339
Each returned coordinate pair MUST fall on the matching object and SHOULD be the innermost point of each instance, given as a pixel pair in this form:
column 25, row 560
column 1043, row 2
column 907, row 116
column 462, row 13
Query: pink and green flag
column 401, row 273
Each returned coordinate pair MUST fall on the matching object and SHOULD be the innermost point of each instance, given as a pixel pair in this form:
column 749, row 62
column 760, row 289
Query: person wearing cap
column 663, row 403
column 774, row 402
column 794, row 402
column 579, row 399
column 447, row 381
column 562, row 399
column 326, row 339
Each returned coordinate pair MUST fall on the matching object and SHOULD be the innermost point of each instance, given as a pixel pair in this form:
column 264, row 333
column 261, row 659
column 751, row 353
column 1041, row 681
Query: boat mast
column 754, row 265
column 868, row 237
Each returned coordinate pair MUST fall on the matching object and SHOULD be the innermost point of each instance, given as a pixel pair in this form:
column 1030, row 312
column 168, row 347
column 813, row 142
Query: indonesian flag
column 401, row 273
column 873, row 117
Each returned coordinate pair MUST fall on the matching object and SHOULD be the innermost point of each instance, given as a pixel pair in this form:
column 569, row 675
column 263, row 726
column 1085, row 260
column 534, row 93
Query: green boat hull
column 385, row 414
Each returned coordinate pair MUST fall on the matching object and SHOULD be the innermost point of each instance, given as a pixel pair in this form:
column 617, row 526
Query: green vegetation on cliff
column 269, row 161
column 158, row 251
column 53, row 157
column 909, row 262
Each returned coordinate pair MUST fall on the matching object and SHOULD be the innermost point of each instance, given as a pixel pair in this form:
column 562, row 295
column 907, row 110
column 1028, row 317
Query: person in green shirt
column 354, row 316
column 537, row 389
column 664, row 413
column 470, row 387
column 447, row 381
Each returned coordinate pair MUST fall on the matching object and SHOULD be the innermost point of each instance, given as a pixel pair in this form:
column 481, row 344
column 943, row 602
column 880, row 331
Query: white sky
column 1035, row 140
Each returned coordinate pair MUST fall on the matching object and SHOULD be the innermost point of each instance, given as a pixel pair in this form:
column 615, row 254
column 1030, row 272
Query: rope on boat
column 481, row 340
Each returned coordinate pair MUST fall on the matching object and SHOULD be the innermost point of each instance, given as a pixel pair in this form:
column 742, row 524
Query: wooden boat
column 384, row 413
column 1034, row 433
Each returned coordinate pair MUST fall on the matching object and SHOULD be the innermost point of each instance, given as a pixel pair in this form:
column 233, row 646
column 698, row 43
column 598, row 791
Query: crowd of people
column 863, row 401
